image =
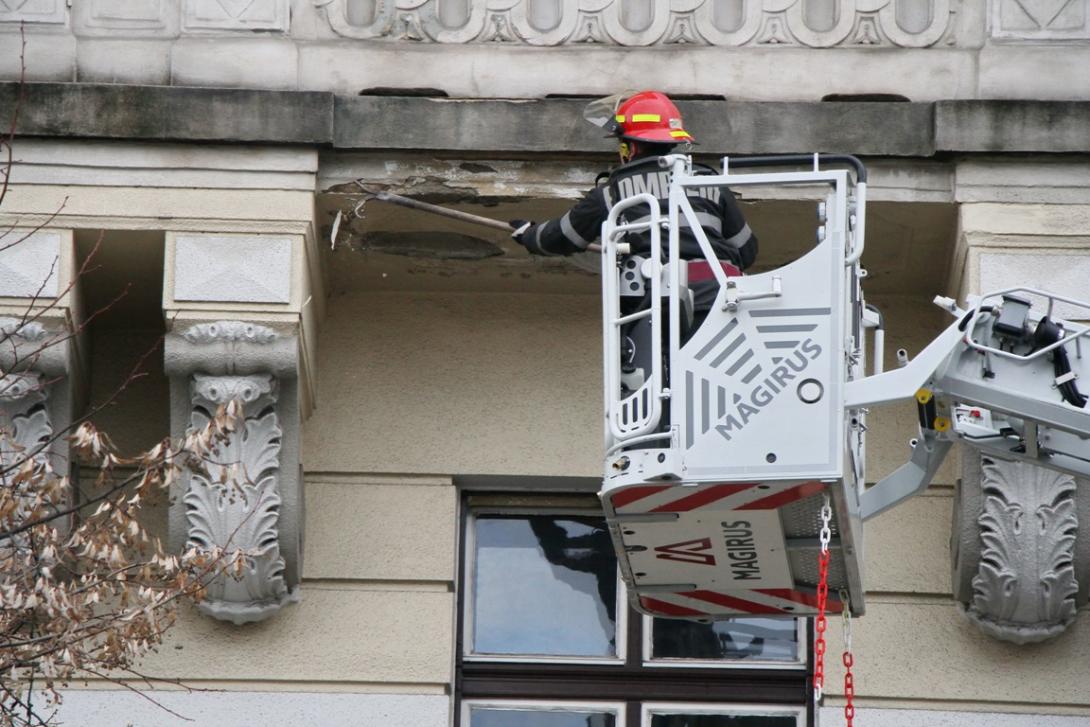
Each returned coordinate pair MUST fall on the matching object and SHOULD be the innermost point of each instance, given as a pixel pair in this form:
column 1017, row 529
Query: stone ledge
column 513, row 127
column 551, row 125
column 863, row 129
column 170, row 113
column 1012, row 126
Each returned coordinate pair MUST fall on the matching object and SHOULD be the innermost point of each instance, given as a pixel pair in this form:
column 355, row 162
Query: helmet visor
column 603, row 111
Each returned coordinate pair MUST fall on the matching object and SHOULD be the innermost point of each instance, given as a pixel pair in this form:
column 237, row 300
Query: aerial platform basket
column 723, row 448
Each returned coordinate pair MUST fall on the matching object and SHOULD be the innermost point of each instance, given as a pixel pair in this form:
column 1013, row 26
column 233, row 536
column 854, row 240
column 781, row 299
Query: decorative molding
column 249, row 497
column 229, row 348
column 1036, row 20
column 45, row 12
column 15, row 388
column 229, row 332
column 31, row 347
column 29, row 331
column 29, row 263
column 845, row 23
column 126, row 19
column 246, row 15
column 1014, row 550
column 222, row 268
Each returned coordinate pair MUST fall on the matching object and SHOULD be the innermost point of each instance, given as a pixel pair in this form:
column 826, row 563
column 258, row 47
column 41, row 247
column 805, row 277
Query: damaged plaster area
column 430, row 245
column 486, row 179
column 911, row 224
column 393, row 247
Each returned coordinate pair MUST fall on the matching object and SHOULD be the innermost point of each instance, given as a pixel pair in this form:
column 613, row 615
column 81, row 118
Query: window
column 554, row 571
column 546, row 638
column 702, row 715
column 738, row 642
column 541, row 714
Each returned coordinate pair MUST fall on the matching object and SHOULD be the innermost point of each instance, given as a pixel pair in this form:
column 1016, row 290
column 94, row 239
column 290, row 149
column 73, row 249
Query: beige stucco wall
column 381, row 528
column 459, row 384
column 338, row 634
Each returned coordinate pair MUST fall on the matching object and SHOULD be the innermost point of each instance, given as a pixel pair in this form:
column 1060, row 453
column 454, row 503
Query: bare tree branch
column 134, row 690
column 84, row 590
column 5, row 142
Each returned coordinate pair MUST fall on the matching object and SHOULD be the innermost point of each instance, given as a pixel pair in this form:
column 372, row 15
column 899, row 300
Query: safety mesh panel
column 802, row 518
column 804, row 568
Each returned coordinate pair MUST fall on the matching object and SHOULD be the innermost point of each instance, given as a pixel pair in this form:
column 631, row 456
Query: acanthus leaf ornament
column 233, row 502
column 1024, row 522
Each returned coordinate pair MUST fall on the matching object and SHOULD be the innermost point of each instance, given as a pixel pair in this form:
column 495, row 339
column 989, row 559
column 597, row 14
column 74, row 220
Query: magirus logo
column 764, row 393
column 741, row 551
column 689, row 551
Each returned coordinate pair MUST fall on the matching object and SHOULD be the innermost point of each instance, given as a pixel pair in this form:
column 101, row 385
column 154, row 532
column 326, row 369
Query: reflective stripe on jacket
column 716, row 210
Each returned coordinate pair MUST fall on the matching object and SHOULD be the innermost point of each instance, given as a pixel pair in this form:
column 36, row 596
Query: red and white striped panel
column 758, row 602
column 732, row 496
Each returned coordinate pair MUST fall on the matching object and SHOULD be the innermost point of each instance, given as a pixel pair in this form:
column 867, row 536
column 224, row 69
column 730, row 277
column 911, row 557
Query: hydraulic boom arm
column 1001, row 378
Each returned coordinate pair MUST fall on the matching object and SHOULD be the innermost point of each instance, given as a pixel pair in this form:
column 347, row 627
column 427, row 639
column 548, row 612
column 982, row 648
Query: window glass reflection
column 544, row 584
column 767, row 639
column 491, row 717
column 722, row 720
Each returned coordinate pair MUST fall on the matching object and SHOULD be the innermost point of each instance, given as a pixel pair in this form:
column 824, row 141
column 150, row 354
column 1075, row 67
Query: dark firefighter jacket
column 715, row 207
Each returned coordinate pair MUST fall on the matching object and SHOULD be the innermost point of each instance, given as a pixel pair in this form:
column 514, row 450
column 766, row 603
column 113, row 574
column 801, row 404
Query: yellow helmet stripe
column 620, row 118
column 679, row 134
column 654, row 118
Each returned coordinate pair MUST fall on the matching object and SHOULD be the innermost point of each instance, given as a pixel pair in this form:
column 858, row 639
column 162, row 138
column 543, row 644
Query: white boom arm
column 1001, row 378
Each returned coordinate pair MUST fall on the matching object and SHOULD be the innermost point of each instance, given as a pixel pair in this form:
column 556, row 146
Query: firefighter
column 648, row 126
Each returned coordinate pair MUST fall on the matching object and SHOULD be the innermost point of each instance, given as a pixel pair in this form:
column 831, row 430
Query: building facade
column 425, row 399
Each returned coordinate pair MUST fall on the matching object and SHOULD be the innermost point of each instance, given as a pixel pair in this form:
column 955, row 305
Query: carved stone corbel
column 35, row 397
column 35, row 391
column 250, row 496
column 1019, row 568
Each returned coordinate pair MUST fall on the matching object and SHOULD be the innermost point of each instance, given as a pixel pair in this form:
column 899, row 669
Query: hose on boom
column 1046, row 334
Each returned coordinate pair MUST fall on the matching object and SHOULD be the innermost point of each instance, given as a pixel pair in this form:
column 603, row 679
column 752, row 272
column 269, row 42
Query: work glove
column 520, row 227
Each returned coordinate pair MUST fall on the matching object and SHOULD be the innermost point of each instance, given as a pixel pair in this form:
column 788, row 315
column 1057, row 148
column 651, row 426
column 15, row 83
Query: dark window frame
column 632, row 682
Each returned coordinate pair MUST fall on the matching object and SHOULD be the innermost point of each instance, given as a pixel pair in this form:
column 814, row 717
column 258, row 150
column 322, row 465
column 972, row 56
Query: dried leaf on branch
column 85, row 589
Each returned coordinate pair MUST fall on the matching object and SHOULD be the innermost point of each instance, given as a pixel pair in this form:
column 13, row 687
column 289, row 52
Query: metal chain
column 849, row 660
column 822, row 596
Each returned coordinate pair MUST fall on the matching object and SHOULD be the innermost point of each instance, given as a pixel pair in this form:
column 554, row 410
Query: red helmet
column 650, row 116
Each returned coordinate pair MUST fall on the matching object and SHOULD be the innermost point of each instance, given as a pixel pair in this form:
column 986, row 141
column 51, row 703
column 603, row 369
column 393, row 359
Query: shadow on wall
column 122, row 290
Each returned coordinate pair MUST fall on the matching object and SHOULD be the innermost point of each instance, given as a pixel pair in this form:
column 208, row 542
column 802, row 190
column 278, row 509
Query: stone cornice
column 548, row 126
column 114, row 111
